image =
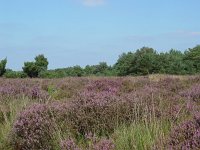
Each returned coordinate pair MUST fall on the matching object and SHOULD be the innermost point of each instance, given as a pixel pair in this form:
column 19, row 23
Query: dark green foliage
column 51, row 74
column 143, row 61
column 41, row 62
column 173, row 63
column 89, row 70
column 102, row 69
column 193, row 55
column 147, row 61
column 75, row 71
column 33, row 69
column 14, row 74
column 3, row 66
column 123, row 65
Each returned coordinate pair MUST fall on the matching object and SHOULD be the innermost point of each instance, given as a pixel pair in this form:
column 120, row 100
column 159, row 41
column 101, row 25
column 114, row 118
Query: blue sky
column 81, row 32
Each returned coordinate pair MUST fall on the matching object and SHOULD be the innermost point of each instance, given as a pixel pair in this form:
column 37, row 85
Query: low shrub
column 15, row 74
column 34, row 128
column 186, row 135
column 193, row 93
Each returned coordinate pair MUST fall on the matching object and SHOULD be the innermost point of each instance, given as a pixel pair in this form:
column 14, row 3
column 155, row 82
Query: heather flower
column 34, row 128
column 192, row 93
column 104, row 144
column 69, row 145
column 186, row 135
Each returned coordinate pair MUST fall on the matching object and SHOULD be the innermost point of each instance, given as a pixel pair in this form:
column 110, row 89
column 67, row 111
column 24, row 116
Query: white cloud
column 92, row 3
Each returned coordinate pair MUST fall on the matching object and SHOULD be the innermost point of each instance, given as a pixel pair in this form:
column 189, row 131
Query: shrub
column 33, row 69
column 34, row 128
column 3, row 66
column 18, row 89
column 14, row 74
column 104, row 144
column 186, row 135
column 69, row 144
column 101, row 107
column 192, row 93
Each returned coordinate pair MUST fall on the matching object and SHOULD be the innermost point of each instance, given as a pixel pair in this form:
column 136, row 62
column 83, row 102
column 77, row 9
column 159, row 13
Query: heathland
column 100, row 113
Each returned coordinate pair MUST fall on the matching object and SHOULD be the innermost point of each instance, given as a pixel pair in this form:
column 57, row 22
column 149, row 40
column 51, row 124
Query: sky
column 81, row 32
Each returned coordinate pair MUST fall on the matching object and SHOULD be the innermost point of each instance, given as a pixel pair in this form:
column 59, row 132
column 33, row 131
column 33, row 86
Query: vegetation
column 3, row 66
column 14, row 74
column 143, row 61
column 147, row 61
column 33, row 69
column 112, row 113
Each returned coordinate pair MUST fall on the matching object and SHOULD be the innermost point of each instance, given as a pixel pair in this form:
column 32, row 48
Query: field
column 96, row 113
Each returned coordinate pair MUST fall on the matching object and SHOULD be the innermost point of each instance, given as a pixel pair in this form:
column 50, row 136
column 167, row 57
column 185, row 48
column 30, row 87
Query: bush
column 101, row 107
column 68, row 144
column 21, row 88
column 186, row 135
column 14, row 74
column 192, row 93
column 3, row 66
column 34, row 128
column 33, row 69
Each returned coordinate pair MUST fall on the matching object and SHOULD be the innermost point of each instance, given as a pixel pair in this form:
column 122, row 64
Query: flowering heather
column 98, row 106
column 94, row 111
column 192, row 93
column 98, row 144
column 34, row 128
column 20, row 88
column 186, row 135
column 102, row 111
column 69, row 145
column 106, row 85
column 104, row 144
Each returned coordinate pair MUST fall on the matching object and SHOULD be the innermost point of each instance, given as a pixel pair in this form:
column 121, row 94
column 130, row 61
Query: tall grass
column 120, row 113
column 9, row 111
column 141, row 136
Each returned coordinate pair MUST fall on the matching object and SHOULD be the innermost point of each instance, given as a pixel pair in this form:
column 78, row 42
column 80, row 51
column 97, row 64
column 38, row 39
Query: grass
column 141, row 136
column 9, row 111
column 152, row 112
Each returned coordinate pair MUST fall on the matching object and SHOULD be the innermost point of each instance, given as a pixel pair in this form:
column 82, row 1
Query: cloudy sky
column 81, row 32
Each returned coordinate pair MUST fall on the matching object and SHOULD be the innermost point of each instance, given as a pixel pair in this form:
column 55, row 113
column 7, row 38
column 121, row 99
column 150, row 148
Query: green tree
column 101, row 68
column 123, row 66
column 193, row 56
column 77, row 71
column 145, row 61
column 14, row 74
column 33, row 69
column 176, row 62
column 3, row 66
column 41, row 62
column 89, row 70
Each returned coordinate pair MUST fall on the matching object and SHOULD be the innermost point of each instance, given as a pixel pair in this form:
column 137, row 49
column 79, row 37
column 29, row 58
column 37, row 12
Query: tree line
column 143, row 61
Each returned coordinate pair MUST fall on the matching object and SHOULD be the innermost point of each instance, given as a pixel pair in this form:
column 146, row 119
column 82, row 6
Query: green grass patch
column 141, row 136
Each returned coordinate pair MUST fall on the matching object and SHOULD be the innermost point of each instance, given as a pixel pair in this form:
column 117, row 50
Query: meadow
column 100, row 113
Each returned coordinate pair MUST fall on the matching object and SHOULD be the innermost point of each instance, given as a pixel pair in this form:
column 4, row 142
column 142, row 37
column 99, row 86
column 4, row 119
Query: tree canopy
column 142, row 61
column 3, row 66
column 33, row 69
